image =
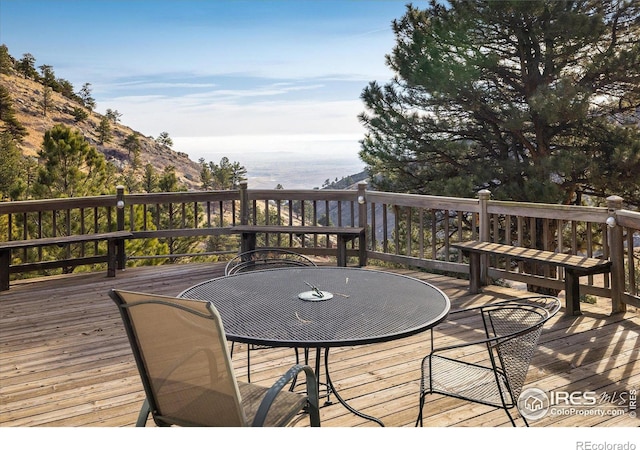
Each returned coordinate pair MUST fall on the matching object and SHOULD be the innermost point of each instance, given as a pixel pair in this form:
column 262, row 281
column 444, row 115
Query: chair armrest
column 490, row 341
column 548, row 299
column 546, row 302
column 272, row 393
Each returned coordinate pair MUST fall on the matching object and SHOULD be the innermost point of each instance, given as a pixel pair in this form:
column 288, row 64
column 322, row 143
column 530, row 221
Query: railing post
column 244, row 203
column 120, row 254
column 616, row 247
column 362, row 221
column 247, row 240
column 485, row 228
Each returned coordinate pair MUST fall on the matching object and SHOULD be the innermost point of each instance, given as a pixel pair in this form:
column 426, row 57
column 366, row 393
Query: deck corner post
column 244, row 203
column 484, row 229
column 616, row 246
column 247, row 240
column 362, row 222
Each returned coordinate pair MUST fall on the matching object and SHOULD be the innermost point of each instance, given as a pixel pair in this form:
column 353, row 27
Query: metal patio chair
column 266, row 258
column 263, row 259
column 181, row 352
column 511, row 332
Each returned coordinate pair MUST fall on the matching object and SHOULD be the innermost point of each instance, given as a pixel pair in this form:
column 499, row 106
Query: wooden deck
column 65, row 359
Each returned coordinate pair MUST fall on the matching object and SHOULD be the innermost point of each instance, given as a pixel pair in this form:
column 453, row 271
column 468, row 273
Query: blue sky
column 219, row 76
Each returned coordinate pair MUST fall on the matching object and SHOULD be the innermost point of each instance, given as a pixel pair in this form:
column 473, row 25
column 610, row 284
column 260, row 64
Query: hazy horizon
column 294, row 161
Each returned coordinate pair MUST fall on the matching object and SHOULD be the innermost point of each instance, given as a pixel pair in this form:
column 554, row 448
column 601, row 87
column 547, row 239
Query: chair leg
column 143, row 415
column 422, row 400
column 248, row 363
column 524, row 420
column 513, row 422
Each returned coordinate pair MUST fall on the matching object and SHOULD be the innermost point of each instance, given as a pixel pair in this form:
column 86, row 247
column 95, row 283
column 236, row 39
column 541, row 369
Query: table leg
column 317, row 372
column 339, row 397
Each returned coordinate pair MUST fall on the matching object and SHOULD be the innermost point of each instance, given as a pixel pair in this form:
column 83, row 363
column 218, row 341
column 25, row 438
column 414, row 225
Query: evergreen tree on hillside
column 26, row 66
column 105, row 133
column 132, row 144
column 65, row 88
column 47, row 99
column 70, row 167
column 8, row 121
column 168, row 181
column 12, row 176
column 86, row 97
column 48, row 77
column 149, row 179
column 6, row 61
column 534, row 101
column 113, row 115
column 79, row 114
column 224, row 176
column 164, row 139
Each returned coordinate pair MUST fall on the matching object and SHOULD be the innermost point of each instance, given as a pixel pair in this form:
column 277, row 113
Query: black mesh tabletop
column 264, row 307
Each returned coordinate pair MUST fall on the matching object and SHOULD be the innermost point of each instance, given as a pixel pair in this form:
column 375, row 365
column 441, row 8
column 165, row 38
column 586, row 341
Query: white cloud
column 208, row 115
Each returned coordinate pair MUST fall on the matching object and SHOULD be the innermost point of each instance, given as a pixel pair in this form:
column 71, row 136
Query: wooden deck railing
column 406, row 229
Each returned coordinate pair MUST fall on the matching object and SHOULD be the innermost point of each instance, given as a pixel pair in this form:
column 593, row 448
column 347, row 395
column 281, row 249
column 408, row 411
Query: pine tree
column 105, row 133
column 12, row 176
column 535, row 101
column 26, row 66
column 6, row 61
column 8, row 121
column 85, row 96
column 70, row 167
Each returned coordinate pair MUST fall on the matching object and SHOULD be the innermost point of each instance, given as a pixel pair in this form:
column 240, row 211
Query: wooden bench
column 574, row 266
column 113, row 239
column 344, row 234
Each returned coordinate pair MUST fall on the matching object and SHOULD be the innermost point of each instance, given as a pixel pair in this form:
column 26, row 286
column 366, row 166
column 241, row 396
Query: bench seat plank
column 344, row 235
column 112, row 238
column 575, row 266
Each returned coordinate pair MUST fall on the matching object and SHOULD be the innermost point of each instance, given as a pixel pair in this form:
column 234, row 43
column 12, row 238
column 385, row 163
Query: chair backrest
column 266, row 258
column 517, row 325
column 181, row 352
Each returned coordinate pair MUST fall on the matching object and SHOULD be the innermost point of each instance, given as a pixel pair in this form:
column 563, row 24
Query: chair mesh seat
column 284, row 408
column 465, row 380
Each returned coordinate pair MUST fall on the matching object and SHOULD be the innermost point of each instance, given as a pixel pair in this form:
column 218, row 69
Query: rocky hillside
column 27, row 96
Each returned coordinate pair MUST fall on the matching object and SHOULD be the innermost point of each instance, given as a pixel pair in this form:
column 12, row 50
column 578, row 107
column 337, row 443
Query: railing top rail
column 52, row 204
column 302, row 194
column 548, row 211
column 630, row 219
column 424, row 201
column 182, row 197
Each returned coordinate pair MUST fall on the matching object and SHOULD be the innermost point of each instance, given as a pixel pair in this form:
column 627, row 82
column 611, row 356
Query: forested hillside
column 27, row 100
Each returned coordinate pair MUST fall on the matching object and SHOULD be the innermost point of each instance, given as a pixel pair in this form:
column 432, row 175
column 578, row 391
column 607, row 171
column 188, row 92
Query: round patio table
column 322, row 307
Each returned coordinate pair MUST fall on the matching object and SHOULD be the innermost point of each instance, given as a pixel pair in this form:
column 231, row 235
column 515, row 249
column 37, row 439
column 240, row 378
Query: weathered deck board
column 65, row 360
